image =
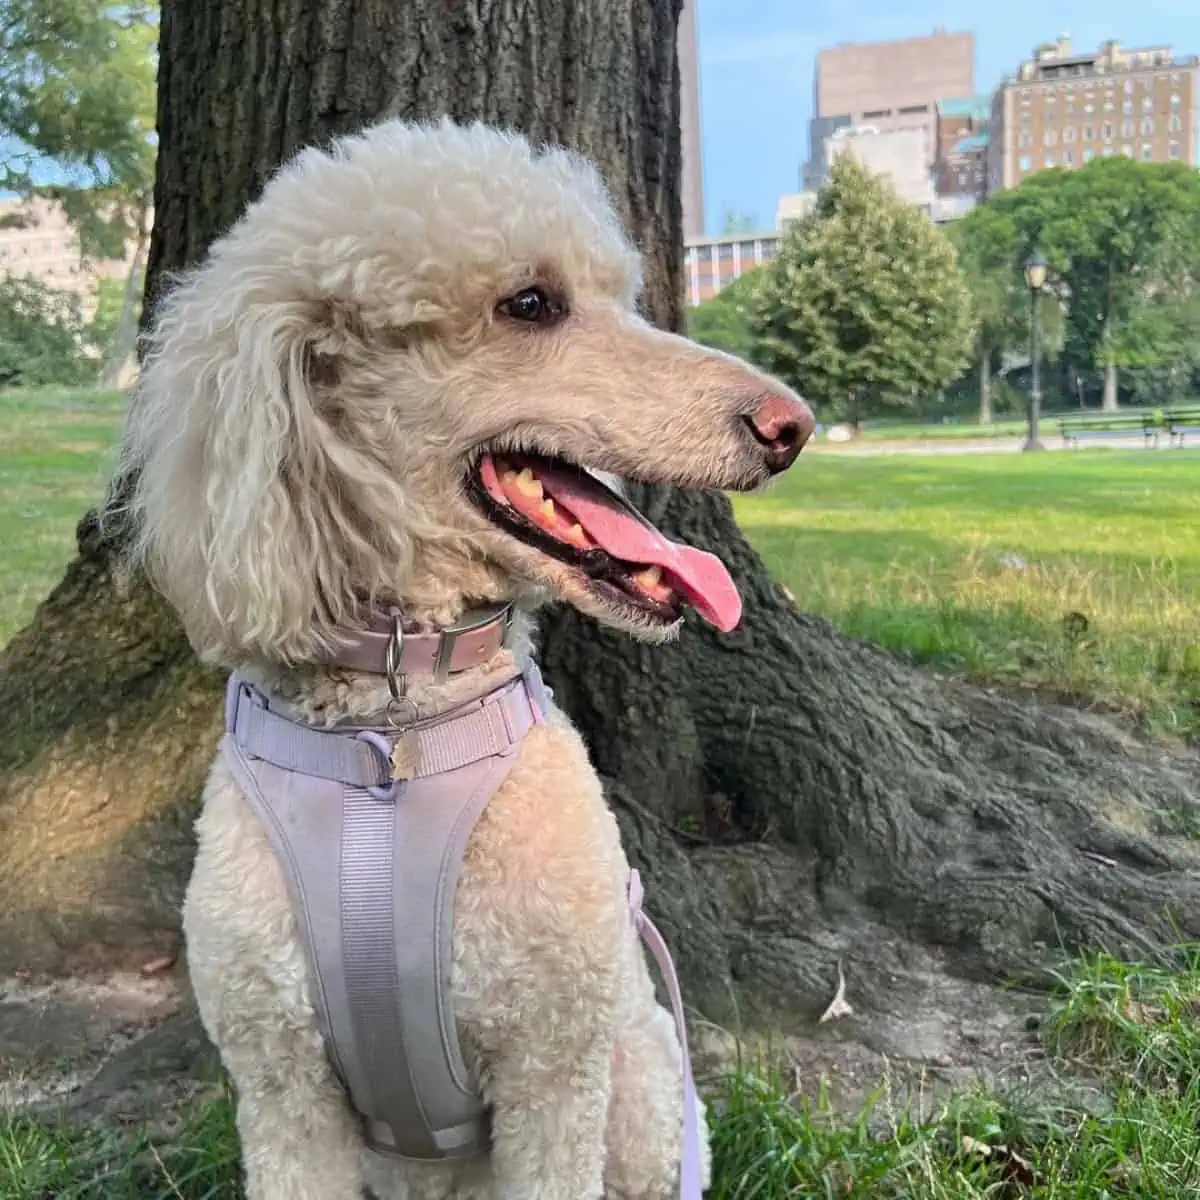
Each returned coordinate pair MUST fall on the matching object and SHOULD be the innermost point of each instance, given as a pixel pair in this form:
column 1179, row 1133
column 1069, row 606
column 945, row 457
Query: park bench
column 1181, row 420
column 1108, row 425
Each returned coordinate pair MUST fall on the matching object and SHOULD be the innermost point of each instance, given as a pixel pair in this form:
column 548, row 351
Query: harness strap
column 691, row 1171
column 478, row 730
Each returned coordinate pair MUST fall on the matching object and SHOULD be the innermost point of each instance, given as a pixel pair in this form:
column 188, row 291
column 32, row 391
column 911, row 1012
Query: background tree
column 77, row 96
column 736, row 222
column 864, row 309
column 794, row 798
column 1119, row 235
column 724, row 321
column 990, row 254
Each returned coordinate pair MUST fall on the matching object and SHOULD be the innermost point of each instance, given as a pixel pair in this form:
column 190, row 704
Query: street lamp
column 1035, row 280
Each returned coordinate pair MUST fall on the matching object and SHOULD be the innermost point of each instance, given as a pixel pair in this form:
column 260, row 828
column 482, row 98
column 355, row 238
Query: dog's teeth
column 576, row 534
column 527, row 485
column 509, row 477
column 548, row 508
column 650, row 578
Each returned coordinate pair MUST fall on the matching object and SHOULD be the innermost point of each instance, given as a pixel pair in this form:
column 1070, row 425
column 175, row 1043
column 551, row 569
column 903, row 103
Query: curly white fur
column 310, row 403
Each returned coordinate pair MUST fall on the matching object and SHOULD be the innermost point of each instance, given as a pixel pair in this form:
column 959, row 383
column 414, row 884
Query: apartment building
column 1063, row 108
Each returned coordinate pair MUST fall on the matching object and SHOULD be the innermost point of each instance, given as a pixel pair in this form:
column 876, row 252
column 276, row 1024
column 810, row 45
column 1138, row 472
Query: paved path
column 998, row 445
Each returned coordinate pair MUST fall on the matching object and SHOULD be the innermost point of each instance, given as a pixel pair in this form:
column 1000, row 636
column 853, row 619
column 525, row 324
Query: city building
column 712, row 263
column 903, row 156
column 689, row 120
column 1063, row 108
column 962, row 146
column 888, row 86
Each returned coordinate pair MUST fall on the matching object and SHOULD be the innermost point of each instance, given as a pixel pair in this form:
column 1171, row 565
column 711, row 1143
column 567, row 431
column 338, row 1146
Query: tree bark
column 985, row 387
column 794, row 799
column 1111, row 401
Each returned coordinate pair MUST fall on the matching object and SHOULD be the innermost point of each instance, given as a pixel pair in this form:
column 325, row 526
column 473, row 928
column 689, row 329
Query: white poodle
column 372, row 398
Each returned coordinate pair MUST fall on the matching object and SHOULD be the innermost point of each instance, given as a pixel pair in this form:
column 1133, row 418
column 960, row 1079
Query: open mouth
column 565, row 512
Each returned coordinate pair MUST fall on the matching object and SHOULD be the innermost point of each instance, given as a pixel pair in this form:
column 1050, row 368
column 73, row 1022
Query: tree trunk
column 125, row 339
column 795, row 799
column 985, row 388
column 1110, row 402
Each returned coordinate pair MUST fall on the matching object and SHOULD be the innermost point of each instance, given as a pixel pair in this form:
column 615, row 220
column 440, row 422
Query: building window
column 1050, row 161
column 1026, row 117
column 1127, row 150
column 1069, row 134
column 1051, row 137
column 914, row 108
column 1026, row 162
column 1109, row 106
column 1026, row 96
column 1147, row 124
column 1147, row 104
column 1175, row 101
column 1068, row 158
column 877, row 112
column 1089, row 133
column 1147, row 152
column 1088, row 155
column 1176, row 123
column 1176, row 77
column 1127, row 129
column 1174, row 150
column 1025, row 139
column 1127, row 107
column 1107, row 151
column 1089, row 107
column 1129, row 87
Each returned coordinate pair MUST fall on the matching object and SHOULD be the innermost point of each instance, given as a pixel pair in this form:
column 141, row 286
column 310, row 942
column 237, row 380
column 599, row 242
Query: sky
column 757, row 59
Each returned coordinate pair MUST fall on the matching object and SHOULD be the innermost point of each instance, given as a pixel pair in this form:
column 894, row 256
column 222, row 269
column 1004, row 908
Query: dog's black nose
column 781, row 425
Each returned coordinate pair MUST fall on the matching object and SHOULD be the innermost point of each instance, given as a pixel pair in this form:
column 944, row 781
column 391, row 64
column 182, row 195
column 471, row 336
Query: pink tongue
column 700, row 577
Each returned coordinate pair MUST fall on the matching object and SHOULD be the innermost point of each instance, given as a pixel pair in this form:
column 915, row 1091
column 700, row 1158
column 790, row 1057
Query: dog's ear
column 240, row 511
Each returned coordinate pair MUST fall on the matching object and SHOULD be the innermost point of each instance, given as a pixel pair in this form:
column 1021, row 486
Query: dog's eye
column 533, row 306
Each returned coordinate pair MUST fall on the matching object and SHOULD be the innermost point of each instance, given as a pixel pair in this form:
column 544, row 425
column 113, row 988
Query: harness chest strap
column 377, row 916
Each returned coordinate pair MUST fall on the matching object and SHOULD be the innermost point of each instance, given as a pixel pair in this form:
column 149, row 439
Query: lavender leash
column 690, row 1168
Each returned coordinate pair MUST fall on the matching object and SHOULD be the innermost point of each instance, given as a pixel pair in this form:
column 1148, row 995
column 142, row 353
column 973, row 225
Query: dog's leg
column 645, row 1119
column 249, row 974
column 541, row 920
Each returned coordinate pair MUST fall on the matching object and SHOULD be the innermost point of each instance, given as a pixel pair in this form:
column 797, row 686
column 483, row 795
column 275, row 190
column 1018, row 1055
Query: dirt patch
column 127, row 1050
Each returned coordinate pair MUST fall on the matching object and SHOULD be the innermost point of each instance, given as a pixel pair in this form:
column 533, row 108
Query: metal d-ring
column 388, row 791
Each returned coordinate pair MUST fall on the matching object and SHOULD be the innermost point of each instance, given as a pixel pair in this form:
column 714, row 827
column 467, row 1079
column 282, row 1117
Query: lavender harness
column 372, row 864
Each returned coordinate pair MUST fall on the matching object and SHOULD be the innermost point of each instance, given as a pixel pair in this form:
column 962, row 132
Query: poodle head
column 407, row 377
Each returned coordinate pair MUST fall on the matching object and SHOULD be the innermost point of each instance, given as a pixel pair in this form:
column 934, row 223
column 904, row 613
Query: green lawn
column 54, row 449
column 1079, row 572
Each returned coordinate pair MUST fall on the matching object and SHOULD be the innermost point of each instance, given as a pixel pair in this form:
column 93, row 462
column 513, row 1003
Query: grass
column 1134, row 1027
column 1078, row 573
column 54, row 451
column 967, row 430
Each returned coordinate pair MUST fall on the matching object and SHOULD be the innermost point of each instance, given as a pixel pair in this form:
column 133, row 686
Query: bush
column 43, row 337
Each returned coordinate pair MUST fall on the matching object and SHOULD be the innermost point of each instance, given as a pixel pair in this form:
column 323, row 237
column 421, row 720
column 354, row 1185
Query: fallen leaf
column 837, row 1006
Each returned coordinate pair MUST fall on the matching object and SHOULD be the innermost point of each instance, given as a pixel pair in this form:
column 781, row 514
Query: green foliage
column 865, row 307
column 737, row 223
column 724, row 322
column 77, row 88
column 43, row 336
column 1123, row 242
